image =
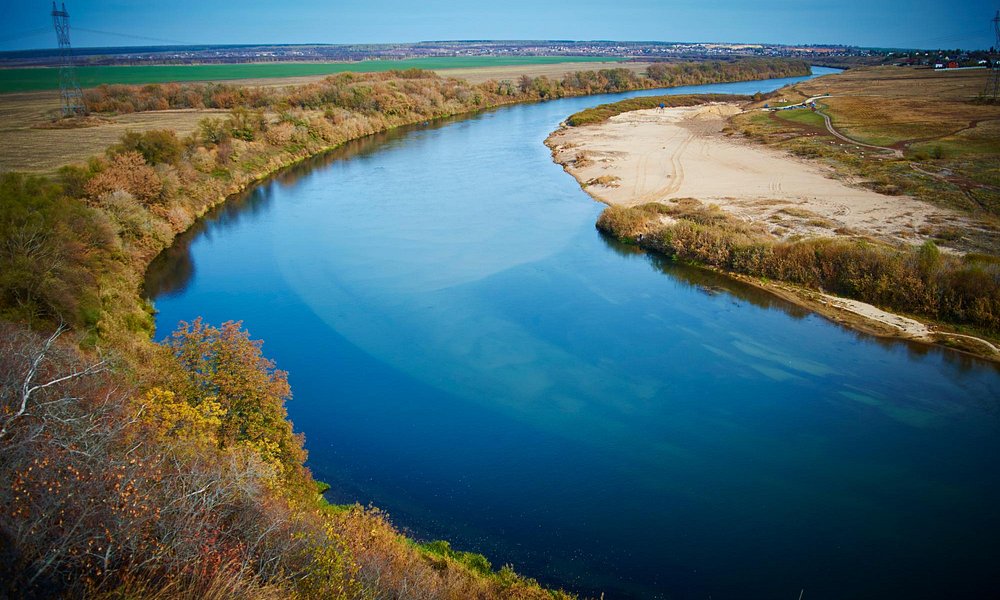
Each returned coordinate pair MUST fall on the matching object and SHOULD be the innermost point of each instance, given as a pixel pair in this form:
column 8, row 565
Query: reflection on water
column 170, row 272
column 711, row 283
column 470, row 354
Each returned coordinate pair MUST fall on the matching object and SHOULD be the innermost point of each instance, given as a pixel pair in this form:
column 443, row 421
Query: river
column 468, row 353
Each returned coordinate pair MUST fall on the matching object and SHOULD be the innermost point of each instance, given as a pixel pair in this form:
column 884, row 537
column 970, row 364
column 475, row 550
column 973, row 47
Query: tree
column 524, row 83
column 48, row 247
column 223, row 364
column 127, row 172
column 169, row 417
column 156, row 146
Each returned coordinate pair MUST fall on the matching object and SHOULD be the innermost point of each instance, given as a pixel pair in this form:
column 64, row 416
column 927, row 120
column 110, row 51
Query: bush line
column 963, row 291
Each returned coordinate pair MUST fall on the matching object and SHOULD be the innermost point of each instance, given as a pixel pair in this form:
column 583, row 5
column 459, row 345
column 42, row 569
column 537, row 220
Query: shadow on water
column 712, row 283
column 173, row 269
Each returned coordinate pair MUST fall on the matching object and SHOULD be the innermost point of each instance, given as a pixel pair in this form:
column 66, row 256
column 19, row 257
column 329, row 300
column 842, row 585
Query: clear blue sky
column 919, row 23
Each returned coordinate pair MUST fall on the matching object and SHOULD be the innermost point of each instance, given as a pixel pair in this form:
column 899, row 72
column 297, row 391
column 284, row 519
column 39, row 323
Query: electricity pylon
column 993, row 87
column 69, row 89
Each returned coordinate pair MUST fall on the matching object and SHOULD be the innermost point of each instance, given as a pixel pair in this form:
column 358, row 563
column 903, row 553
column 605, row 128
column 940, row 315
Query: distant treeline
column 387, row 91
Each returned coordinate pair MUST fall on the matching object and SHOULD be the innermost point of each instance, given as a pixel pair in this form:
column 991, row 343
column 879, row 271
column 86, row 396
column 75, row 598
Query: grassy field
column 31, row 148
column 950, row 144
column 37, row 79
column 44, row 150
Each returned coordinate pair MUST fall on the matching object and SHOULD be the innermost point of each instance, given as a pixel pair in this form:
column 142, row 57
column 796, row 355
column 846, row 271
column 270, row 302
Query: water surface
column 467, row 352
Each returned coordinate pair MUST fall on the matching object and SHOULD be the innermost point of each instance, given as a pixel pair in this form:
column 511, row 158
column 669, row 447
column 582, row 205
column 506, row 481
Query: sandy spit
column 657, row 155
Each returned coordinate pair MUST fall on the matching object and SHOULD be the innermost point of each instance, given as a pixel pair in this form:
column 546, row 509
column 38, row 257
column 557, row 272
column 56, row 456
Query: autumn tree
column 48, row 246
column 224, row 365
column 126, row 172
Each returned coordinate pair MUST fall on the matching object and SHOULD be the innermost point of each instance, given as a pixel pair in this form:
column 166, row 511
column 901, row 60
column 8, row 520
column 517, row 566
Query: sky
column 965, row 24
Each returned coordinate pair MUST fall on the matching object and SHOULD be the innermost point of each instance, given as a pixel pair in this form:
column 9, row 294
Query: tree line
column 396, row 91
column 963, row 291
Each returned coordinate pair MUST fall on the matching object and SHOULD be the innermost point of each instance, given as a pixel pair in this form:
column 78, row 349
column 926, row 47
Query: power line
column 135, row 37
column 24, row 34
column 42, row 30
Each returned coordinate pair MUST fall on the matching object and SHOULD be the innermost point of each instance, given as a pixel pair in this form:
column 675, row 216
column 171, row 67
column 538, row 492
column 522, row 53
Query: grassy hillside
column 941, row 142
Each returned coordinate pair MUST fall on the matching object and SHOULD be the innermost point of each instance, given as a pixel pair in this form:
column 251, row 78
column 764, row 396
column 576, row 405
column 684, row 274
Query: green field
column 35, row 79
column 803, row 116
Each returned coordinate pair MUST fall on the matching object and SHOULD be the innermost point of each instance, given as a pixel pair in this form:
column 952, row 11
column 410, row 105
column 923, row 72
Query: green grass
column 803, row 116
column 954, row 147
column 36, row 79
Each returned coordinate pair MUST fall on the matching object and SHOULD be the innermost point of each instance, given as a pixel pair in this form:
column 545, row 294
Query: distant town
column 831, row 55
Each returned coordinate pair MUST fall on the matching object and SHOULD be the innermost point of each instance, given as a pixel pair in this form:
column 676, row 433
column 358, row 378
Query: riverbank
column 106, row 220
column 657, row 155
column 671, row 155
column 416, row 319
column 869, row 319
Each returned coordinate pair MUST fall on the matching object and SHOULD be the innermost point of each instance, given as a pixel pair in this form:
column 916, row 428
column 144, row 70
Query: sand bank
column 655, row 155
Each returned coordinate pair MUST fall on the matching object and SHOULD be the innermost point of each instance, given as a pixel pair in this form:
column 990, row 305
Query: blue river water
column 467, row 352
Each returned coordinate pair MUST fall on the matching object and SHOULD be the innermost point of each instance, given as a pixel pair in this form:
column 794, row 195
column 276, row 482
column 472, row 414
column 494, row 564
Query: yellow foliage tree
column 171, row 417
column 225, row 364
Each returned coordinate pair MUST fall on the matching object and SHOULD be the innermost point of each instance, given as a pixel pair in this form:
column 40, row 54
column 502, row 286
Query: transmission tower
column 993, row 87
column 69, row 89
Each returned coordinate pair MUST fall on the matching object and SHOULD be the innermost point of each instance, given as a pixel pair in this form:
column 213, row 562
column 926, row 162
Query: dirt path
column 829, row 127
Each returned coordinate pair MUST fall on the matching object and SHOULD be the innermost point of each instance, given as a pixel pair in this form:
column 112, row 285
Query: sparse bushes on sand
column 917, row 280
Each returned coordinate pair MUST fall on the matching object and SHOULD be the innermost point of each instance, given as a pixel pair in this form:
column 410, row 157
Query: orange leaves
column 127, row 172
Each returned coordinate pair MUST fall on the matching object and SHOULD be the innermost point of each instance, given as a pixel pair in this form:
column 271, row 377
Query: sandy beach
column 655, row 155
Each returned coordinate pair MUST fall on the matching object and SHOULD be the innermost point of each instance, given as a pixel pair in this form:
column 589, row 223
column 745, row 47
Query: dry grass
column 950, row 144
column 28, row 146
column 802, row 213
column 892, row 105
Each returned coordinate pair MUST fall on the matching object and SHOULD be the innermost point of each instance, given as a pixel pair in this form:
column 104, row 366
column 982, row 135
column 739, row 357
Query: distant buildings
column 353, row 52
column 832, row 55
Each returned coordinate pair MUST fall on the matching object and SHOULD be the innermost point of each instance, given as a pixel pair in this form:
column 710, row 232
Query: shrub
column 915, row 280
column 126, row 172
column 136, row 226
column 156, row 146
